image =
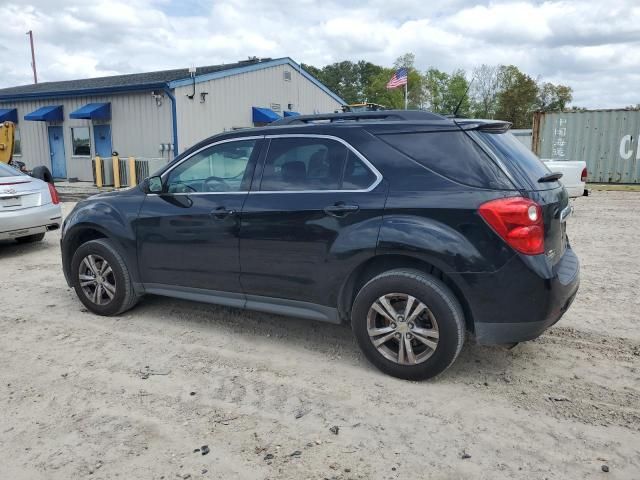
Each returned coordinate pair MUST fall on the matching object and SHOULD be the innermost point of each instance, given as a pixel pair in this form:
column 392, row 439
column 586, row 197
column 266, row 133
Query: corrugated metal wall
column 229, row 100
column 138, row 127
column 606, row 139
column 523, row 135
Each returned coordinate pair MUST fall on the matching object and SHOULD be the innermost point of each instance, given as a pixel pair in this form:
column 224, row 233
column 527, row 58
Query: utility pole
column 33, row 57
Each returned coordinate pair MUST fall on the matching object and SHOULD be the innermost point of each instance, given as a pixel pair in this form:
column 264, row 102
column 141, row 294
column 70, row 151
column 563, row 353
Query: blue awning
column 8, row 115
column 288, row 113
column 52, row 113
column 93, row 111
column 264, row 115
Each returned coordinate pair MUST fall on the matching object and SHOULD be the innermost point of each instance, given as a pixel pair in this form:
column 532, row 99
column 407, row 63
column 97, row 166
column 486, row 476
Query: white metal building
column 153, row 116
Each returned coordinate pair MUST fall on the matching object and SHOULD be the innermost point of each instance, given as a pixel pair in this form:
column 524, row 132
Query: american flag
column 399, row 78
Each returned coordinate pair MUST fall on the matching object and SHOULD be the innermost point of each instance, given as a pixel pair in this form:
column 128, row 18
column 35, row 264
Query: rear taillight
column 54, row 194
column 583, row 176
column 518, row 221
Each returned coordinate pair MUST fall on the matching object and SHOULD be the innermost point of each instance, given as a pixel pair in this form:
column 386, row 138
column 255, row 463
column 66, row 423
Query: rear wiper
column 550, row 177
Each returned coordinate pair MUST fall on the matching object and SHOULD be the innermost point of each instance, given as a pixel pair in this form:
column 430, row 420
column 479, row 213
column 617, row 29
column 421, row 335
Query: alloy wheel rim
column 402, row 328
column 97, row 279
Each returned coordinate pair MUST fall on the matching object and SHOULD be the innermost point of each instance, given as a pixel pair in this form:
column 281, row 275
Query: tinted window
column 356, row 174
column 453, row 155
column 220, row 168
column 7, row 171
column 303, row 164
column 80, row 141
column 295, row 164
column 514, row 154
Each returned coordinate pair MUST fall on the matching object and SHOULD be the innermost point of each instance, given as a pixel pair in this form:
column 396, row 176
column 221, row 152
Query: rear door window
column 453, row 155
column 519, row 158
column 313, row 164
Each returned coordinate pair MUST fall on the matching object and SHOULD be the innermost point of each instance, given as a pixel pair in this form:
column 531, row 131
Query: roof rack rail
column 389, row 115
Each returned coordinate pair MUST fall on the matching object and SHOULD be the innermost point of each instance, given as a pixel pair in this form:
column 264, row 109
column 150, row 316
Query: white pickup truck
column 574, row 175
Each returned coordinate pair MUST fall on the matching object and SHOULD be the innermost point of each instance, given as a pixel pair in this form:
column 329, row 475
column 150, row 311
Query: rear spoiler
column 489, row 126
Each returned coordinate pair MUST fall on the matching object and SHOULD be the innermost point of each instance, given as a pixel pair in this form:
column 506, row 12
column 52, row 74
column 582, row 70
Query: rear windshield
column 519, row 158
column 7, row 171
column 453, row 155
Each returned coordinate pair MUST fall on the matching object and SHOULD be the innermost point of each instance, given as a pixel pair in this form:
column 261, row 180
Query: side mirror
column 154, row 185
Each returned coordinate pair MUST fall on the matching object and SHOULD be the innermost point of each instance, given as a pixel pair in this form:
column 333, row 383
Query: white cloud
column 591, row 45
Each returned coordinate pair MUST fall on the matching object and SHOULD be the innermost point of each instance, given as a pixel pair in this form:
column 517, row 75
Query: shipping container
column 523, row 135
column 606, row 139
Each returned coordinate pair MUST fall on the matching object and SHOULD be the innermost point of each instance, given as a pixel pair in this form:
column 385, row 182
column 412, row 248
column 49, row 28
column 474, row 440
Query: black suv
column 414, row 227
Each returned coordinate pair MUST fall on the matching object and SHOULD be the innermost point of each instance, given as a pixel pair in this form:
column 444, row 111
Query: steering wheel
column 215, row 184
column 181, row 188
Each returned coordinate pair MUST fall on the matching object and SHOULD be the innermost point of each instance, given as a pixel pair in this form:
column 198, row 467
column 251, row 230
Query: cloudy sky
column 591, row 45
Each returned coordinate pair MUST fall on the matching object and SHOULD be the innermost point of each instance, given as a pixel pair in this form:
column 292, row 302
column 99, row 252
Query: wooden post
column 116, row 171
column 98, row 172
column 132, row 172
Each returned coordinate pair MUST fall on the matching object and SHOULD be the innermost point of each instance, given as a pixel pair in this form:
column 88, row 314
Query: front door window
column 217, row 169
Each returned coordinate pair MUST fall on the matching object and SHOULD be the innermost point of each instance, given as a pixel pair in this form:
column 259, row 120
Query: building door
column 102, row 139
column 56, row 150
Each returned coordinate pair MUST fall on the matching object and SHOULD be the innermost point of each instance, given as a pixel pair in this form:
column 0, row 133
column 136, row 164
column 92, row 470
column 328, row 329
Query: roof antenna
column 455, row 112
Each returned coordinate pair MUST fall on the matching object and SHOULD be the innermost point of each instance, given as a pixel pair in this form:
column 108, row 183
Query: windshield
column 519, row 158
column 7, row 171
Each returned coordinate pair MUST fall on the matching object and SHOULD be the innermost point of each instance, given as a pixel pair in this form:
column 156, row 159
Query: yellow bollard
column 98, row 172
column 116, row 171
column 132, row 172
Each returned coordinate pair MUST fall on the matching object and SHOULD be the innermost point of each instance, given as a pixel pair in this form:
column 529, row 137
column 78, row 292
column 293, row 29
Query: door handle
column 221, row 213
column 340, row 209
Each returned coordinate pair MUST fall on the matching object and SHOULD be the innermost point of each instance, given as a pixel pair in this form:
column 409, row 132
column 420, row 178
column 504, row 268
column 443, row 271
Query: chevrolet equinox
column 414, row 227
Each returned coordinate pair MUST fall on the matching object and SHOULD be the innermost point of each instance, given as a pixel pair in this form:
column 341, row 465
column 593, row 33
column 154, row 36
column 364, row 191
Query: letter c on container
column 625, row 151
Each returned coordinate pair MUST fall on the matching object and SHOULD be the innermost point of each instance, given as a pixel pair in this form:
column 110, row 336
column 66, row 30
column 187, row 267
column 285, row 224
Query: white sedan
column 574, row 175
column 28, row 207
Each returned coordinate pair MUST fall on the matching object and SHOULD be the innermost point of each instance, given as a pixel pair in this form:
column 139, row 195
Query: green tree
column 553, row 98
column 348, row 79
column 443, row 92
column 517, row 97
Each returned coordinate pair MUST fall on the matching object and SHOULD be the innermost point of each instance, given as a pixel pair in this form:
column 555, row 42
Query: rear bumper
column 521, row 300
column 575, row 191
column 30, row 221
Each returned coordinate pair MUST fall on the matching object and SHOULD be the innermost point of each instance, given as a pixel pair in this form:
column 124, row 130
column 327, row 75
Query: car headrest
column 294, row 171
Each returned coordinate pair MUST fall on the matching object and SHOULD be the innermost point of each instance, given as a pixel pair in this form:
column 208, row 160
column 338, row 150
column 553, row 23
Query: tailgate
column 555, row 211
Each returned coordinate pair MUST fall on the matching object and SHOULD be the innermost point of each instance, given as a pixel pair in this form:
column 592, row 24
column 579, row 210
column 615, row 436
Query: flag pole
column 406, row 92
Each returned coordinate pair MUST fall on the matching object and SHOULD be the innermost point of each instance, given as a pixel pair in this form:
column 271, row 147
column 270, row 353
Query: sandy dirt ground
column 133, row 397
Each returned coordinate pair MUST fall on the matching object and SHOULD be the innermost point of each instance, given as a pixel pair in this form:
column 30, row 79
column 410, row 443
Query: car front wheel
column 101, row 278
column 408, row 324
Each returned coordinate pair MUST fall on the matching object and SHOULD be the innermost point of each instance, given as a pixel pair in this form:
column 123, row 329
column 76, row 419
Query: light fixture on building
column 158, row 96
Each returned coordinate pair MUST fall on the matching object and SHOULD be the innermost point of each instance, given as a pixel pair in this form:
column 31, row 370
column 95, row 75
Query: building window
column 17, row 145
column 80, row 142
column 287, row 76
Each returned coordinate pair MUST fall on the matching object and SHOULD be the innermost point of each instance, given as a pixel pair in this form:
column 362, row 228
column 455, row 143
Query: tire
column 116, row 294
column 435, row 335
column 42, row 173
column 36, row 237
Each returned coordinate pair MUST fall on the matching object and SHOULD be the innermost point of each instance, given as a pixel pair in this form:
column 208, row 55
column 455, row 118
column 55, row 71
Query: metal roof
column 148, row 80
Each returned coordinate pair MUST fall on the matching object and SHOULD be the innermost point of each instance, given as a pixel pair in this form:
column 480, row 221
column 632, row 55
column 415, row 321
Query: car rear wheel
column 408, row 324
column 101, row 278
column 36, row 237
